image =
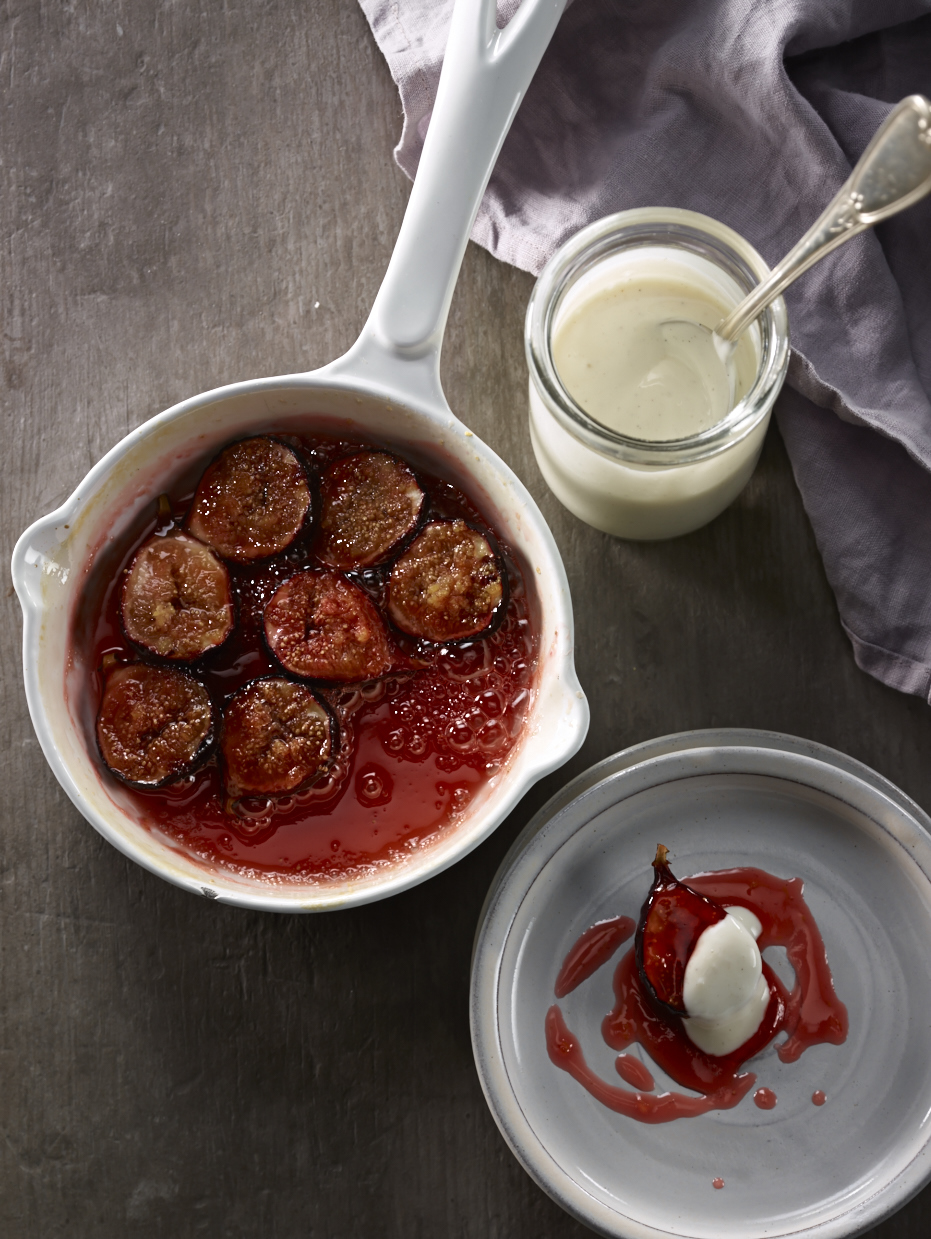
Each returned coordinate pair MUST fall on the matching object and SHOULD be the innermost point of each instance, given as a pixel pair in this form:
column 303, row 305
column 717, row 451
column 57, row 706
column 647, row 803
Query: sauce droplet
column 818, row 1097
column 634, row 1072
column 765, row 1098
column 593, row 949
column 718, row 1183
column 374, row 786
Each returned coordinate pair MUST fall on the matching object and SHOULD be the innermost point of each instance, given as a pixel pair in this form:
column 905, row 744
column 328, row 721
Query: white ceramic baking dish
column 386, row 389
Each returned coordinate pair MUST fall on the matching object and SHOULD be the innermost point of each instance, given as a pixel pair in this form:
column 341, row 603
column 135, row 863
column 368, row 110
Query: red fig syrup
column 814, row 1014
column 765, row 1099
column 415, row 747
column 594, row 948
column 811, row 1013
column 634, row 1073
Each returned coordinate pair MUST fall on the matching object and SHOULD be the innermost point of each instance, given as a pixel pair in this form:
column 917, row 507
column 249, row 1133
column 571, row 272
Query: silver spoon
column 893, row 173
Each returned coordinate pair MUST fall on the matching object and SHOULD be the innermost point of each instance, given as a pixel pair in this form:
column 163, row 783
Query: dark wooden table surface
column 193, row 195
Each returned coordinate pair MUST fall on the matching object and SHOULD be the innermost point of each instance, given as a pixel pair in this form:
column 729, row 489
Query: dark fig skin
column 370, row 505
column 449, row 585
column 253, row 500
column 277, row 736
column 155, row 724
column 176, row 600
column 321, row 626
column 671, row 920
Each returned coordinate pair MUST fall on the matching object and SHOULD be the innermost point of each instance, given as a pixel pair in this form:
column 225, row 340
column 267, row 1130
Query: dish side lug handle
column 486, row 72
column 37, row 557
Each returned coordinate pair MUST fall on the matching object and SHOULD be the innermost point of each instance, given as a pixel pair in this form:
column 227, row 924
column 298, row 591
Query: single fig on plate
column 671, row 921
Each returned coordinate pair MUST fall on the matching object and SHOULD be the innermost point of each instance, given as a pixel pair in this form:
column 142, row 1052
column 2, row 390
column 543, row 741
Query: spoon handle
column 893, row 172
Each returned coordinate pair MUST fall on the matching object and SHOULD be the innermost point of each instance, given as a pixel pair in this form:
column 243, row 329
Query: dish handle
column 40, row 560
column 486, row 72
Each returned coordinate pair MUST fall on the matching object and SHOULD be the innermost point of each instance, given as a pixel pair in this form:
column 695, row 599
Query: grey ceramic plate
column 719, row 799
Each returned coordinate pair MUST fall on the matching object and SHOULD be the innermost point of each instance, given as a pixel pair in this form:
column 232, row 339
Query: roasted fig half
column 252, row 501
column 369, row 502
column 320, row 626
column 176, row 599
column 671, row 920
column 276, row 737
column 448, row 585
column 155, row 723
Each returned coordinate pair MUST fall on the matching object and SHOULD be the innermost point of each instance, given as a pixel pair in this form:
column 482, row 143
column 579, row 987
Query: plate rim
column 503, row 1103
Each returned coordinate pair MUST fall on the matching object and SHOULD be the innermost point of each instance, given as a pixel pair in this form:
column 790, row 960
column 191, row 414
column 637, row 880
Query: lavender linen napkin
column 751, row 111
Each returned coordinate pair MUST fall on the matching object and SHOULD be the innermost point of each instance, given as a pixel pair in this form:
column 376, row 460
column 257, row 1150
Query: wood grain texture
column 191, row 195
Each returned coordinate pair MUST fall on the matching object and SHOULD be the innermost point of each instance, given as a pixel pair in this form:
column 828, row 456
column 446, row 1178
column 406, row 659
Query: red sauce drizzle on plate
column 818, row 1097
column 814, row 1013
column 717, row 1183
column 565, row 1051
column 765, row 1098
column 810, row 1014
column 594, row 948
column 415, row 747
column 634, row 1073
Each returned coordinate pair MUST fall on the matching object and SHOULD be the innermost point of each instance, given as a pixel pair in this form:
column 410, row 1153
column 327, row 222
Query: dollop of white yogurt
column 619, row 357
column 724, row 990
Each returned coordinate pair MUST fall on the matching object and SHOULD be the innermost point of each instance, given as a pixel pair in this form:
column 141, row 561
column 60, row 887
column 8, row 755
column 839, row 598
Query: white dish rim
column 532, row 849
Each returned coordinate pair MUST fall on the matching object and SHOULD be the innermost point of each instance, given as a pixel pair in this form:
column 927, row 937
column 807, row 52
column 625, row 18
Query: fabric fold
column 751, row 111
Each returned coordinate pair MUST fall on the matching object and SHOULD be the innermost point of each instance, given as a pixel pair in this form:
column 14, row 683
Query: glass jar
column 644, row 488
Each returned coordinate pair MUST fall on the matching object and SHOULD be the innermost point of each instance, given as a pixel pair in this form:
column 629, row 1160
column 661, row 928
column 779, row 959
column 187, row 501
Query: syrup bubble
column 395, row 741
column 492, row 736
column 490, row 704
column 374, row 786
column 459, row 735
column 417, row 747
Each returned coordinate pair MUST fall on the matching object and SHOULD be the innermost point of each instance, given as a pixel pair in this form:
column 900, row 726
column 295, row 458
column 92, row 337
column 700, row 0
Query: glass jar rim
column 679, row 229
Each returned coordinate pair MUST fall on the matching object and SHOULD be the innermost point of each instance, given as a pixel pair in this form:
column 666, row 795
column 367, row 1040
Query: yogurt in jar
column 634, row 422
column 624, row 350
